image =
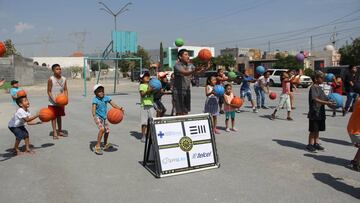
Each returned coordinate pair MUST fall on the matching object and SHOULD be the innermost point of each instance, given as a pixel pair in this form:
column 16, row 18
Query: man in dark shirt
column 183, row 71
column 350, row 79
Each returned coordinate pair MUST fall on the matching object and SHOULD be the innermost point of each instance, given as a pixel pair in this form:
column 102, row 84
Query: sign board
column 180, row 144
column 124, row 41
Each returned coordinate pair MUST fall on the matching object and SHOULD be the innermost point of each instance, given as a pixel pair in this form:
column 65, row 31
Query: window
column 191, row 53
column 279, row 72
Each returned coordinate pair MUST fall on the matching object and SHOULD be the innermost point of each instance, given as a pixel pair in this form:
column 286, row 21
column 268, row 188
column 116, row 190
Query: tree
column 161, row 55
column 10, row 48
column 350, row 53
column 95, row 66
column 287, row 62
column 142, row 53
column 226, row 61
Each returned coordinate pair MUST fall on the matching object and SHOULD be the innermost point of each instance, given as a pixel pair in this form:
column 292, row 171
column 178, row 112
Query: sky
column 44, row 27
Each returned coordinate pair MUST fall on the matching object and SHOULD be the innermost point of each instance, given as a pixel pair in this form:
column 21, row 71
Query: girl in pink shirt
column 229, row 108
column 284, row 97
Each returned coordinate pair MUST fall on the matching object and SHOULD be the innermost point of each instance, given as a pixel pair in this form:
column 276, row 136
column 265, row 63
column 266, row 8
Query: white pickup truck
column 305, row 81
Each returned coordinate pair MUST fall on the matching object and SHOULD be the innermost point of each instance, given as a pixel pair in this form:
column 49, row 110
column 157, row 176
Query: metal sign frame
column 152, row 159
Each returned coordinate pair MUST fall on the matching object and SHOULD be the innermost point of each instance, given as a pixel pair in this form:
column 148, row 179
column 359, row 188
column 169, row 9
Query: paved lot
column 264, row 161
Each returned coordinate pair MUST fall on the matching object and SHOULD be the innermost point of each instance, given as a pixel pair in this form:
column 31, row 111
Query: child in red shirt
column 337, row 87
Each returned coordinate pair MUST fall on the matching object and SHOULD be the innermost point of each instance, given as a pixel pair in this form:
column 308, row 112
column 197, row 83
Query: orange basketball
column 115, row 116
column 204, row 55
column 2, row 49
column 61, row 100
column 46, row 115
column 21, row 93
column 237, row 101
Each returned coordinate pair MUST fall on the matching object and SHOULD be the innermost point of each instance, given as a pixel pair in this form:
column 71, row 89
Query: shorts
column 146, row 112
column 159, row 106
column 316, row 125
column 355, row 139
column 58, row 110
column 19, row 132
column 246, row 93
column 102, row 123
column 182, row 101
column 230, row 114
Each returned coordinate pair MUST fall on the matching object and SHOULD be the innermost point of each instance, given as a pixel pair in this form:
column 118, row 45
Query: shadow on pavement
column 292, row 144
column 112, row 148
column 336, row 141
column 329, row 159
column 136, row 134
column 51, row 133
column 337, row 184
column 10, row 153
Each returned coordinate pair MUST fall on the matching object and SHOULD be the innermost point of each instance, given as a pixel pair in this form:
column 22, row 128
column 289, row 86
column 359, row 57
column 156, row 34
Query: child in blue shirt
column 99, row 110
column 245, row 90
column 13, row 90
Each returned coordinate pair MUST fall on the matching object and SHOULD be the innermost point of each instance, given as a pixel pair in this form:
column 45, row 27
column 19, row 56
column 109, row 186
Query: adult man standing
column 183, row 71
column 350, row 79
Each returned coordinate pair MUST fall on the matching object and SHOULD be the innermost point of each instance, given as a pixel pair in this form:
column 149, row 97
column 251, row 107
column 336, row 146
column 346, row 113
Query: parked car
column 275, row 74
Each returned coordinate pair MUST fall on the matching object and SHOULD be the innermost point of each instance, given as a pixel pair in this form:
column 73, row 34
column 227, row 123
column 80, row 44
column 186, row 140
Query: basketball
column 237, row 101
column 2, row 49
column 272, row 95
column 260, row 70
column 337, row 98
column 232, row 75
column 329, row 77
column 204, row 55
column 155, row 83
column 46, row 115
column 115, row 116
column 219, row 90
column 21, row 93
column 179, row 42
column 61, row 100
column 299, row 57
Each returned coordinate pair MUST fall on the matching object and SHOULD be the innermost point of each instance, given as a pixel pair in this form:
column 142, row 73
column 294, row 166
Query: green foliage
column 308, row 72
column 10, row 48
column 165, row 68
column 75, row 71
column 287, row 62
column 6, row 86
column 95, row 66
column 350, row 53
column 225, row 60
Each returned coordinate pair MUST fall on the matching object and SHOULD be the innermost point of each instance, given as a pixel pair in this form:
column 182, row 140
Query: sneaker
column 265, row 107
column 216, row 131
column 227, row 130
column 344, row 113
column 233, row 129
column 255, row 110
column 272, row 117
column 317, row 146
column 221, row 111
column 355, row 165
column 238, row 111
column 258, row 107
column 334, row 114
column 310, row 148
column 108, row 146
column 289, row 119
column 98, row 151
column 143, row 139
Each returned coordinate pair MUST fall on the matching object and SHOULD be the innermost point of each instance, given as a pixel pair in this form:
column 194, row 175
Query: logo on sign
column 161, row 134
column 201, row 155
column 197, row 129
column 186, row 144
column 167, row 160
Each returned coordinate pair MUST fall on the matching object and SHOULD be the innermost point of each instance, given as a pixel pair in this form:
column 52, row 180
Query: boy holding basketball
column 17, row 125
column 99, row 110
column 56, row 85
column 245, row 90
column 146, row 102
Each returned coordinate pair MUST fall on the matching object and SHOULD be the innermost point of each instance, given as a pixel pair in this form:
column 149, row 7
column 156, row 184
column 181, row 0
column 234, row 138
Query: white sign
column 173, row 158
column 197, row 130
column 168, row 133
column 201, row 154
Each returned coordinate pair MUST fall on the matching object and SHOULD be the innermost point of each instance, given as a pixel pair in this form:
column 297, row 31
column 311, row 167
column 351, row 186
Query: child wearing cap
column 146, row 102
column 165, row 89
column 99, row 110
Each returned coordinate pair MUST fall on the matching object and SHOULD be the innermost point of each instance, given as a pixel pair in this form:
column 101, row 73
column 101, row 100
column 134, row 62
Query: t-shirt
column 58, row 86
column 222, row 80
column 228, row 98
column 349, row 77
column 147, row 100
column 316, row 110
column 286, row 87
column 326, row 88
column 182, row 82
column 353, row 127
column 337, row 88
column 18, row 118
column 13, row 92
column 246, row 82
column 264, row 81
column 101, row 106
column 164, row 86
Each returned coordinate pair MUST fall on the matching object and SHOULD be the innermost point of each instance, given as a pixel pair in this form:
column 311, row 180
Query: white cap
column 97, row 86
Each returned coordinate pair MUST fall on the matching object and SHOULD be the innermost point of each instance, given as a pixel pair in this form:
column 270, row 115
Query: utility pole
column 269, row 46
column 311, row 44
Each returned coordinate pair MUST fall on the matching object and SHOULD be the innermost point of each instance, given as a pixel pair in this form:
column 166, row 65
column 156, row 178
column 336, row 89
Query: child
column 221, row 78
column 17, row 125
column 212, row 101
column 337, row 87
column 13, row 90
column 165, row 89
column 146, row 102
column 56, row 85
column 229, row 108
column 261, row 87
column 99, row 110
column 245, row 90
column 316, row 115
column 284, row 97
column 354, row 129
